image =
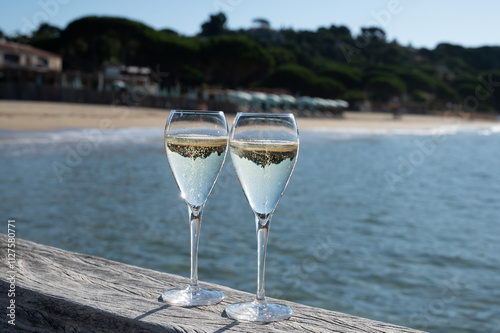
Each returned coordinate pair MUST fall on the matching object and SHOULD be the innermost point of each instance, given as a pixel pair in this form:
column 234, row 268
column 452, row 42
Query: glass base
column 253, row 311
column 192, row 297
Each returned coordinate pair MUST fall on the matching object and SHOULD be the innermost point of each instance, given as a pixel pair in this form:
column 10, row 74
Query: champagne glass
column 264, row 149
column 196, row 147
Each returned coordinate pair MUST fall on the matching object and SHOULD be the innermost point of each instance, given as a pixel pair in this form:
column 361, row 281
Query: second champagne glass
column 196, row 147
column 264, row 150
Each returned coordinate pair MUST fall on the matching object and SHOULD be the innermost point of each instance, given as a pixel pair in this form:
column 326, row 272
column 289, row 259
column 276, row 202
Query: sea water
column 399, row 226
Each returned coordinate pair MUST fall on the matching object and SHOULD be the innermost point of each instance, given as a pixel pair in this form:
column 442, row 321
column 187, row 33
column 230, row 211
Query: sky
column 421, row 23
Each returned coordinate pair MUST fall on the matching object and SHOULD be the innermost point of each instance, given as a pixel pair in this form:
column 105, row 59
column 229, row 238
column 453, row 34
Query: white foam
column 348, row 133
column 146, row 135
column 94, row 135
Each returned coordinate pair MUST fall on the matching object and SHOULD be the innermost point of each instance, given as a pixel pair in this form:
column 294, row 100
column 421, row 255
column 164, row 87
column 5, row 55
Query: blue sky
column 423, row 23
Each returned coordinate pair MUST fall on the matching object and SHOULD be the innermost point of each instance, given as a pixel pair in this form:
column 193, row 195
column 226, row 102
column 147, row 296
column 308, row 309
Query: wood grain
column 61, row 291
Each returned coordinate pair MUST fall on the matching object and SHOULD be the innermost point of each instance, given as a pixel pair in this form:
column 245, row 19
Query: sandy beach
column 23, row 115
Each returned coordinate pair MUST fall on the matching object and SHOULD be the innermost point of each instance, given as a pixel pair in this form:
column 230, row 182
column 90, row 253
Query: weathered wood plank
column 60, row 291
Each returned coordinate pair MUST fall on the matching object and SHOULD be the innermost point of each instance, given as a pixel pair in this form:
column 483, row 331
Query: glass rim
column 198, row 111
column 265, row 115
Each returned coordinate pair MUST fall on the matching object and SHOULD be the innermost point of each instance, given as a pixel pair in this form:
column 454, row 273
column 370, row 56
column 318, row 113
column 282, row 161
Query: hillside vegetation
column 330, row 62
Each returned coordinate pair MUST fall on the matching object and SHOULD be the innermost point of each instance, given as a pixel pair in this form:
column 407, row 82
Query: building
column 21, row 56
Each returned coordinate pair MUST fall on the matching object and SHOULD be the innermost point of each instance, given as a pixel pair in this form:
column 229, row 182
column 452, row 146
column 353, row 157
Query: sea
column 400, row 226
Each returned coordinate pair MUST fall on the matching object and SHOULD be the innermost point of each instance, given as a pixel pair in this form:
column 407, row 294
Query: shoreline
column 35, row 115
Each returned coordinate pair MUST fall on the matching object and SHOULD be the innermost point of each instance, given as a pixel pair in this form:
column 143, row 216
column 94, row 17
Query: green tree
column 445, row 92
column 416, row 80
column 326, row 87
column 215, row 26
column 373, row 34
column 494, row 99
column 382, row 88
column 46, row 30
column 169, row 32
column 178, row 56
column 191, row 76
column 304, row 61
column 300, row 80
column 483, row 58
column 292, row 77
column 262, row 23
column 235, row 60
column 47, row 37
column 349, row 76
column 282, row 56
column 90, row 41
column 353, row 96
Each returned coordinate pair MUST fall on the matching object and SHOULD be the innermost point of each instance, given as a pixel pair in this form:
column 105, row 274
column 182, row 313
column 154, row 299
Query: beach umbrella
column 240, row 97
column 118, row 85
column 342, row 104
column 258, row 96
column 319, row 102
column 219, row 95
column 272, row 100
column 304, row 102
column 287, row 101
column 258, row 99
column 231, row 95
column 244, row 96
column 333, row 104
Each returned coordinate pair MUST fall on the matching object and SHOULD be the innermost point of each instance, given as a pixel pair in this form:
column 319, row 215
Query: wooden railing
column 61, row 291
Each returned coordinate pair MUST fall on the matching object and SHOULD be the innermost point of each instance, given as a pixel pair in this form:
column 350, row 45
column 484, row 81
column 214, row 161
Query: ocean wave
column 136, row 135
column 147, row 135
column 489, row 131
column 353, row 133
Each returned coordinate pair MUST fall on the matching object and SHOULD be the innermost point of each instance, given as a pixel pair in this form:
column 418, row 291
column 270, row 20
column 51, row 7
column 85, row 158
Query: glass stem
column 195, row 225
column 262, row 224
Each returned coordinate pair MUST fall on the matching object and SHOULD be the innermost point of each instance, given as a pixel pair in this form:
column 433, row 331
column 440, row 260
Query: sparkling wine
column 264, row 169
column 195, row 161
